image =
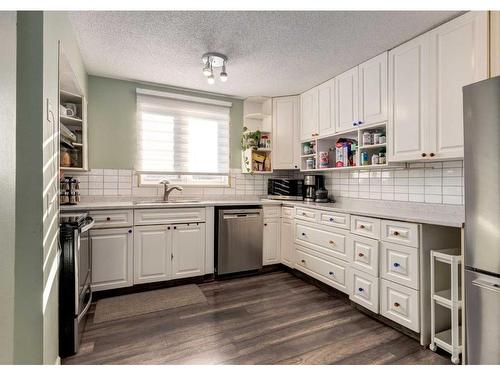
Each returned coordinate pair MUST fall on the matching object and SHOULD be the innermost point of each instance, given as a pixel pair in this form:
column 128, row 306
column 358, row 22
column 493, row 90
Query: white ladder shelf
column 449, row 339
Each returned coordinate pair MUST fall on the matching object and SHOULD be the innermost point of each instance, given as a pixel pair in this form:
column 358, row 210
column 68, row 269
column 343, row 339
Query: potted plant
column 250, row 139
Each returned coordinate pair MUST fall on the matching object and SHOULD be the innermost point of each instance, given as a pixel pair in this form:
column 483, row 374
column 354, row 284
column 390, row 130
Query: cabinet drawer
column 287, row 212
column 399, row 264
column 399, row 232
column 363, row 253
column 335, row 219
column 365, row 226
column 306, row 214
column 363, row 289
column 272, row 211
column 330, row 272
column 112, row 218
column 329, row 241
column 400, row 304
column 169, row 216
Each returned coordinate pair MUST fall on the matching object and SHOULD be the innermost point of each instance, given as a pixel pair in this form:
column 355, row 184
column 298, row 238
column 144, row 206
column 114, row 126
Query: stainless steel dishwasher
column 239, row 240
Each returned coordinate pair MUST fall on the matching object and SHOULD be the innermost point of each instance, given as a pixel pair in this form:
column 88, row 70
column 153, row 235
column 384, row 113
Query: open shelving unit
column 257, row 114
column 327, row 144
column 73, row 128
column 446, row 303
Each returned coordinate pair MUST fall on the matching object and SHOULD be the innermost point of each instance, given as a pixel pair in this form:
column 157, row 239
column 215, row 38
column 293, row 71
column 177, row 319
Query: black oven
column 285, row 189
column 75, row 293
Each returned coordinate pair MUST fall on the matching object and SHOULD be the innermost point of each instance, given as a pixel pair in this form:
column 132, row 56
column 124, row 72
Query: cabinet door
column 326, row 108
column 286, row 143
column 373, row 90
column 188, row 250
column 408, row 134
column 271, row 241
column 286, row 243
column 152, row 253
column 112, row 258
column 346, row 86
column 459, row 57
column 309, row 114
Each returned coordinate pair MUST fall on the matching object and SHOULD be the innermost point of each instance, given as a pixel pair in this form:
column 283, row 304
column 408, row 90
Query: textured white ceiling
column 270, row 53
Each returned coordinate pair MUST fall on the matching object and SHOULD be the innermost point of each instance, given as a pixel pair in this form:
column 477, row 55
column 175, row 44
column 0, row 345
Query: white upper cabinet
column 346, row 86
column 408, row 104
column 426, row 77
column 326, row 108
column 286, row 128
column 309, row 114
column 373, row 90
column 459, row 57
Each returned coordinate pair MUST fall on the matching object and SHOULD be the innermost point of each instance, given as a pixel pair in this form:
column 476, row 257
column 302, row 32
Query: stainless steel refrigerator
column 482, row 221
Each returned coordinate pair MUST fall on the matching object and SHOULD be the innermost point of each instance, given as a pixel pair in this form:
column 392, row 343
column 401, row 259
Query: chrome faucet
column 167, row 190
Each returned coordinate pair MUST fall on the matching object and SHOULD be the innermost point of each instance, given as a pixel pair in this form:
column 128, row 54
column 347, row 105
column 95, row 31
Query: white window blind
column 179, row 138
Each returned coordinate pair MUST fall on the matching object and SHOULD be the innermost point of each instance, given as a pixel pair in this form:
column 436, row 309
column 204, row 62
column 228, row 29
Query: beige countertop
column 434, row 214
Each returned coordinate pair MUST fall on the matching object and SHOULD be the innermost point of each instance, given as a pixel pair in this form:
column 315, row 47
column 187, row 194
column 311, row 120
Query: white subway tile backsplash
column 433, row 199
column 434, row 182
column 452, row 199
column 416, row 197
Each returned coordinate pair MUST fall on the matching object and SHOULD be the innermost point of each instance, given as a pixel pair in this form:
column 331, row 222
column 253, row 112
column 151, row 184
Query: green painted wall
column 112, row 121
column 36, row 297
column 28, row 318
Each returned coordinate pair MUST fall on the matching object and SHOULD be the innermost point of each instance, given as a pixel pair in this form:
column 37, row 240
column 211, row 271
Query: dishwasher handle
column 242, row 215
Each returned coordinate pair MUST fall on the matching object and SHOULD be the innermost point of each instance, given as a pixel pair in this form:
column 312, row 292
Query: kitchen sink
column 170, row 202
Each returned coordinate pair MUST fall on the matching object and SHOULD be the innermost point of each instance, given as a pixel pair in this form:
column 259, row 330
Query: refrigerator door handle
column 486, row 285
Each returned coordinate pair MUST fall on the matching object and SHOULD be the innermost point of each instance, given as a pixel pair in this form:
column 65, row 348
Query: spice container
column 375, row 159
column 381, row 156
column 367, row 139
column 324, row 159
column 310, row 164
column 364, row 158
column 382, row 139
column 376, row 138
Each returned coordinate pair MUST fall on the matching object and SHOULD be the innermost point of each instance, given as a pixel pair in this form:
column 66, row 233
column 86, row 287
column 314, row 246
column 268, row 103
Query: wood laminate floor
column 274, row 318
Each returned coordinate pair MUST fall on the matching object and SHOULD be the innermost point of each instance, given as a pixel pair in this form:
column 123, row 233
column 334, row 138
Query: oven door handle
column 89, row 225
column 87, row 307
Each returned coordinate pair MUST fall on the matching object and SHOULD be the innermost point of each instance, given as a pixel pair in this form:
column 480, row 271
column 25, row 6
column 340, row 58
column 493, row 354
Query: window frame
column 194, row 99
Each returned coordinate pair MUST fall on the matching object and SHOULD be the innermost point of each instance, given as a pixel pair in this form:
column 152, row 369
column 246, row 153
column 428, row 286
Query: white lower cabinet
column 286, row 242
column 363, row 254
column 271, row 241
column 152, row 253
column 329, row 241
column 112, row 258
column 331, row 271
column 400, row 304
column 188, row 250
column 399, row 264
column 363, row 289
column 164, row 252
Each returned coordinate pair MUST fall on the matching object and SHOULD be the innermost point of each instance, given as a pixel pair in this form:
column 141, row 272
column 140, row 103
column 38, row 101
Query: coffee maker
column 315, row 189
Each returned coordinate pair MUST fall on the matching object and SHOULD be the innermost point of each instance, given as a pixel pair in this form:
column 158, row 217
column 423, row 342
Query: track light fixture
column 211, row 61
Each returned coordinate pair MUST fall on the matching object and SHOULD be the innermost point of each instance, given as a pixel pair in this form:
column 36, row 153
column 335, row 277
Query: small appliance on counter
column 315, row 189
column 75, row 294
column 285, row 189
column 69, row 191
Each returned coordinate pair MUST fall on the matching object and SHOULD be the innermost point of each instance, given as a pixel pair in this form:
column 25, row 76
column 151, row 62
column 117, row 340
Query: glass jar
column 75, row 158
column 64, row 157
